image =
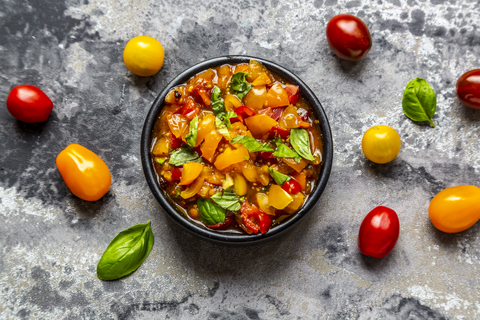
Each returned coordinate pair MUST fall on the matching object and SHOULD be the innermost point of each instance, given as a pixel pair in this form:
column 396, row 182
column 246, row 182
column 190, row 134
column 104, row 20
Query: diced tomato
column 276, row 131
column 175, row 142
column 245, row 112
column 236, row 119
column 304, row 114
column 266, row 155
column 222, row 225
column 202, row 93
column 254, row 218
column 292, row 186
column 198, row 150
column 189, row 109
column 293, row 93
column 277, row 113
column 176, row 174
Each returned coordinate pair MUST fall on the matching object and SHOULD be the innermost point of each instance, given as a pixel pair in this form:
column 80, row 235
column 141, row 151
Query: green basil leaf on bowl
column 279, row 178
column 182, row 155
column 126, row 252
column 218, row 106
column 252, row 144
column 419, row 101
column 191, row 137
column 221, row 128
column 227, row 200
column 301, row 143
column 209, row 212
column 239, row 85
column 285, row 152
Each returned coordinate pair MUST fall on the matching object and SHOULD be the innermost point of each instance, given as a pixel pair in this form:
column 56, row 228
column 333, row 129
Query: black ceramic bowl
column 234, row 238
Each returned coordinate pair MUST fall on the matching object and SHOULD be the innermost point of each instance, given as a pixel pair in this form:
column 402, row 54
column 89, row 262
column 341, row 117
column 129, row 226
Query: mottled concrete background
column 51, row 241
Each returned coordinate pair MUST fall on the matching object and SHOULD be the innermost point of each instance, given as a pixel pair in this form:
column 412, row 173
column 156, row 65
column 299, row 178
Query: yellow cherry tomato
column 455, row 209
column 85, row 174
column 381, row 144
column 143, row 56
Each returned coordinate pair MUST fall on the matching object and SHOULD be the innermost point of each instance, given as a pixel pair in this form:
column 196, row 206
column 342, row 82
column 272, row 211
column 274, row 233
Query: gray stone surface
column 51, row 241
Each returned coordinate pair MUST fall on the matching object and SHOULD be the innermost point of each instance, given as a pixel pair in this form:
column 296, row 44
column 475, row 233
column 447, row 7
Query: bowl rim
column 201, row 231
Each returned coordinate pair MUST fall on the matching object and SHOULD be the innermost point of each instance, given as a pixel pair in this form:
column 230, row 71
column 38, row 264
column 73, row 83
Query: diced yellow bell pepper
column 190, row 172
column 192, row 189
column 259, row 124
column 206, row 126
column 262, row 80
column 161, row 147
column 278, row 198
column 240, row 184
column 229, row 157
column 262, row 200
column 277, row 96
column 210, row 145
column 256, row 97
column 231, row 102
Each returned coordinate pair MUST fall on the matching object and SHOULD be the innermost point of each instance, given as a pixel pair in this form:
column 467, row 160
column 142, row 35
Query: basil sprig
column 218, row 106
column 227, row 200
column 252, row 144
column 279, row 178
column 301, row 143
column 126, row 252
column 209, row 212
column 191, row 137
column 221, row 127
column 419, row 101
column 285, row 152
column 239, row 85
column 182, row 155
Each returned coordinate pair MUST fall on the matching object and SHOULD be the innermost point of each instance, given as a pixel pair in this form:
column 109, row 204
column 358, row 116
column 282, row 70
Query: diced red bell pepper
column 254, row 218
column 293, row 93
column 222, row 225
column 245, row 112
column 292, row 186
column 236, row 119
column 176, row 174
column 276, row 131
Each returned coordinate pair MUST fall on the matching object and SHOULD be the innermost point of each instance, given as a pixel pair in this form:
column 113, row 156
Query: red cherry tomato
column 292, row 186
column 379, row 232
column 29, row 104
column 254, row 218
column 468, row 89
column 222, row 225
column 348, row 37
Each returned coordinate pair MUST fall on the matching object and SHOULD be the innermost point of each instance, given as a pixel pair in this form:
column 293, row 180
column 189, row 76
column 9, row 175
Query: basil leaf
column 252, row 144
column 279, row 178
column 301, row 143
column 182, row 155
column 191, row 137
column 222, row 128
column 239, row 85
column 227, row 200
column 419, row 101
column 209, row 212
column 218, row 105
column 126, row 252
column 160, row 160
column 285, row 152
column 227, row 117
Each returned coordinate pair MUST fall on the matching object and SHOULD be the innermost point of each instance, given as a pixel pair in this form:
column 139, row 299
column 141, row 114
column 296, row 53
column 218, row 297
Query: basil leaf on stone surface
column 279, row 178
column 182, row 155
column 301, row 143
column 252, row 144
column 126, row 252
column 218, row 105
column 191, row 137
column 221, row 128
column 285, row 152
column 419, row 101
column 239, row 85
column 227, row 200
column 209, row 212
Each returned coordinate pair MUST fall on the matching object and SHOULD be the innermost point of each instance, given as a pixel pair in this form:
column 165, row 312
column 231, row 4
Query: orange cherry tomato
column 85, row 174
column 455, row 209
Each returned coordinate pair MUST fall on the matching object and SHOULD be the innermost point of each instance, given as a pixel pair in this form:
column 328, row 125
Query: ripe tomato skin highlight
column 455, row 209
column 381, row 144
column 349, row 37
column 378, row 232
column 84, row 173
column 143, row 56
column 468, row 89
column 29, row 104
